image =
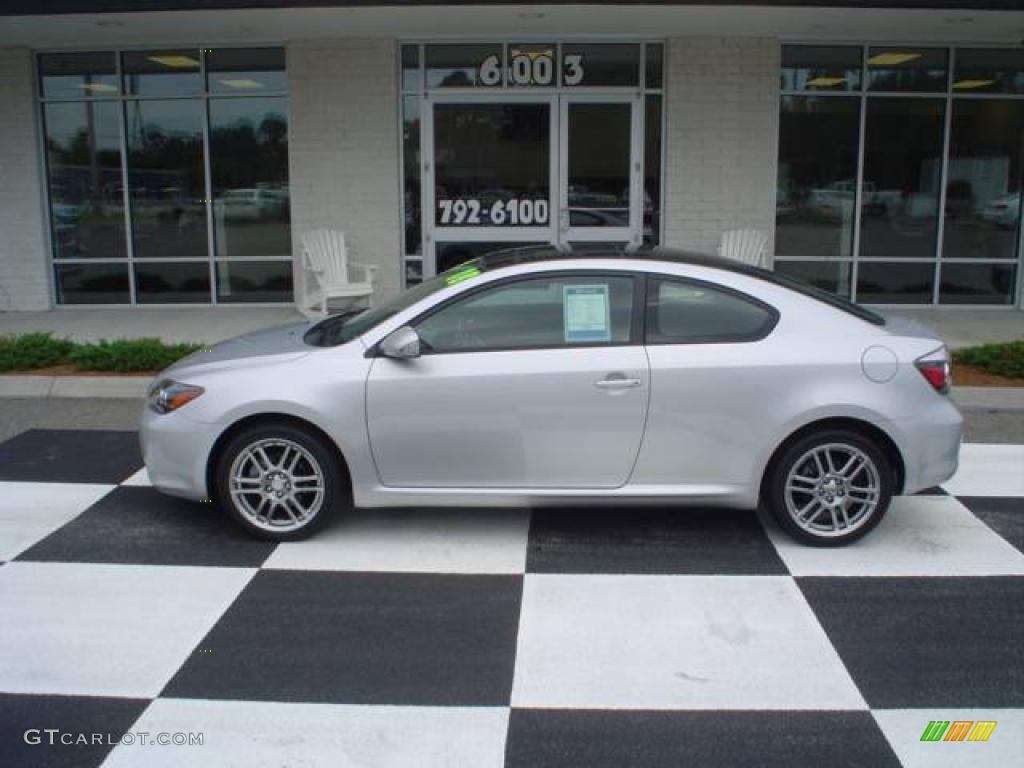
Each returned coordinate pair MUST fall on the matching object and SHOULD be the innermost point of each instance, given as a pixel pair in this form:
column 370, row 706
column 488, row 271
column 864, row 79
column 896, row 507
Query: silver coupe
column 535, row 377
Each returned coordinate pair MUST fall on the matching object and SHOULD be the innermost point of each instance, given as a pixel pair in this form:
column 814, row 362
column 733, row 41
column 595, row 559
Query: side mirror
column 402, row 344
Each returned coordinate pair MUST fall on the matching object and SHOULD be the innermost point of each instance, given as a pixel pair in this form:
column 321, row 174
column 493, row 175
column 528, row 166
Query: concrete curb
column 16, row 385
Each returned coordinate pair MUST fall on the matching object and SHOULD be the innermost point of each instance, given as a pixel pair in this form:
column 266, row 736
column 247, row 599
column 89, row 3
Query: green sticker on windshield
column 462, row 274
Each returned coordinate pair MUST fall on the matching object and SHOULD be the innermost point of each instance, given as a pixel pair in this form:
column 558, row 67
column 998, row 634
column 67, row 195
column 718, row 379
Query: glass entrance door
column 600, row 186
column 506, row 170
column 491, row 184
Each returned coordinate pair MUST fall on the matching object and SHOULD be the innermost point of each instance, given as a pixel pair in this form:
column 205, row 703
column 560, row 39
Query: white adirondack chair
column 748, row 246
column 326, row 273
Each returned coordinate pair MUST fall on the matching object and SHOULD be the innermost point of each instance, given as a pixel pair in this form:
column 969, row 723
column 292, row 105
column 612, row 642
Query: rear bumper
column 932, row 446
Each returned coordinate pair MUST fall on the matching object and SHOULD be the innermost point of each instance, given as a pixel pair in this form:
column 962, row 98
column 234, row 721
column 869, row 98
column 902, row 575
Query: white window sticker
column 587, row 314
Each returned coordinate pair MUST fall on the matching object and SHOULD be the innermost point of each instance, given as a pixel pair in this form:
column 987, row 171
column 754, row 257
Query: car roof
column 509, row 257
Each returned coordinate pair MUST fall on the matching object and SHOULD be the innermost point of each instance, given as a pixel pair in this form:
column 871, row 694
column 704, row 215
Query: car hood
column 277, row 342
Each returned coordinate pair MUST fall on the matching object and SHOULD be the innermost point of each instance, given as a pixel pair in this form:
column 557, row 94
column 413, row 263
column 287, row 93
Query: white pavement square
column 418, row 540
column 140, row 478
column 106, row 630
column 904, row 728
column 988, row 470
column 919, row 536
column 675, row 642
column 32, row 511
column 245, row 733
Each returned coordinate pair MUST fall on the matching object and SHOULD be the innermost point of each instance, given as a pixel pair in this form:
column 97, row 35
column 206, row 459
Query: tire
column 279, row 482
column 811, row 503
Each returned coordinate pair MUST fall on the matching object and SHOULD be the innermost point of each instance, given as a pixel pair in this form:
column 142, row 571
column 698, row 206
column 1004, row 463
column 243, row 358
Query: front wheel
column 830, row 488
column 279, row 482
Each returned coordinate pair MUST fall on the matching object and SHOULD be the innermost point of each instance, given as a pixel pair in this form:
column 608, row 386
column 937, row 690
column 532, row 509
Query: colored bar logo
column 958, row 730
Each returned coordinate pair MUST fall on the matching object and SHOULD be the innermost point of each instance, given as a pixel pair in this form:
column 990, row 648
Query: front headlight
column 167, row 395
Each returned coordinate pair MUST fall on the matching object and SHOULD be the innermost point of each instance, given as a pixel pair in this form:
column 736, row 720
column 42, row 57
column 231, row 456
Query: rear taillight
column 936, row 370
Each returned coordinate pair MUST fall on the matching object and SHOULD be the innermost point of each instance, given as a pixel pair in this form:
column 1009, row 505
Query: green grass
column 31, row 351
column 1001, row 359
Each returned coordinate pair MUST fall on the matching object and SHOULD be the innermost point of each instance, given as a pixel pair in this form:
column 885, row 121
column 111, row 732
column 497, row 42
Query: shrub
column 32, row 350
column 128, row 355
column 1001, row 359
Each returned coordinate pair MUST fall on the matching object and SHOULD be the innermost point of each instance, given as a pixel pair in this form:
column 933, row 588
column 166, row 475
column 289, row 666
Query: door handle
column 617, row 382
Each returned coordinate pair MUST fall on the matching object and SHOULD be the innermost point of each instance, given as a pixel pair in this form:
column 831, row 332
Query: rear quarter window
column 694, row 312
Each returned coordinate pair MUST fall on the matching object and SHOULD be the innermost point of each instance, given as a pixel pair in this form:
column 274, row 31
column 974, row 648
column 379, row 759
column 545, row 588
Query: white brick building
column 175, row 152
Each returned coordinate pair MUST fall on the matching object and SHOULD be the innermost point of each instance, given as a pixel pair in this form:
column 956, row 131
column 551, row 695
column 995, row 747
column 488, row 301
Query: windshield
column 340, row 329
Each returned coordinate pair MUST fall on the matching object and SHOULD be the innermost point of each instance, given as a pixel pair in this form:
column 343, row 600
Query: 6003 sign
column 532, row 68
column 497, row 213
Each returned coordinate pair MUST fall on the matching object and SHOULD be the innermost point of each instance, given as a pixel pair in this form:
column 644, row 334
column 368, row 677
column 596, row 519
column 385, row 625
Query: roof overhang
column 52, row 24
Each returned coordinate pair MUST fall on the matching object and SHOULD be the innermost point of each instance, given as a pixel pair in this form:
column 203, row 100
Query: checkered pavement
column 591, row 637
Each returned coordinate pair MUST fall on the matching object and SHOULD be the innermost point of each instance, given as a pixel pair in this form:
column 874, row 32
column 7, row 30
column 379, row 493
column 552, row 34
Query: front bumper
column 175, row 451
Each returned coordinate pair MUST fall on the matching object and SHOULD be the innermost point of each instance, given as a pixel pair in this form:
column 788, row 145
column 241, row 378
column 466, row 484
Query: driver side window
column 534, row 313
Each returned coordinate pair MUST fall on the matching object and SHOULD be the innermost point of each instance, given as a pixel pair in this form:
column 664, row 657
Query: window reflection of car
column 837, row 198
column 65, row 225
column 588, row 218
column 252, row 204
column 1001, row 211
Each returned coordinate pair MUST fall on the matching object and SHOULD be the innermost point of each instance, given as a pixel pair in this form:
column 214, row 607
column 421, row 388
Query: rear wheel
column 830, row 488
column 279, row 482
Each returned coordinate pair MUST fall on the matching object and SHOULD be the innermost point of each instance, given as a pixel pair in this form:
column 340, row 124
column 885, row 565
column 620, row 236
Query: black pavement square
column 1005, row 516
column 141, row 526
column 650, row 540
column 70, row 456
column 926, row 642
column 665, row 739
column 71, row 715
column 361, row 638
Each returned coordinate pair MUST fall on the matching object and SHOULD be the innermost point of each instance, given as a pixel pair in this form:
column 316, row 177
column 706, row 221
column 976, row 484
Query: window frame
column 762, row 333
column 635, row 320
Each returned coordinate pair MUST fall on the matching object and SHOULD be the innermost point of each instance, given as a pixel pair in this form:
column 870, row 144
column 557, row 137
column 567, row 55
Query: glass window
column 685, row 312
column 984, row 179
column 900, row 282
column 256, row 281
column 655, row 55
column 902, row 173
column 492, row 164
column 652, row 170
column 831, row 276
column 463, row 66
column 977, row 283
column 600, row 141
column 820, row 68
column 245, row 70
column 166, row 178
column 606, row 64
column 907, row 69
column 532, row 64
column 92, row 283
column 814, row 203
column 162, row 73
column 981, row 70
column 181, row 282
column 411, row 179
column 411, row 68
column 83, row 158
column 249, row 166
column 542, row 312
column 74, row 75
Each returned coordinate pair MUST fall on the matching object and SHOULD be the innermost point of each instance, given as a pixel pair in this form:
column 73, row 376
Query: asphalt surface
column 19, row 414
